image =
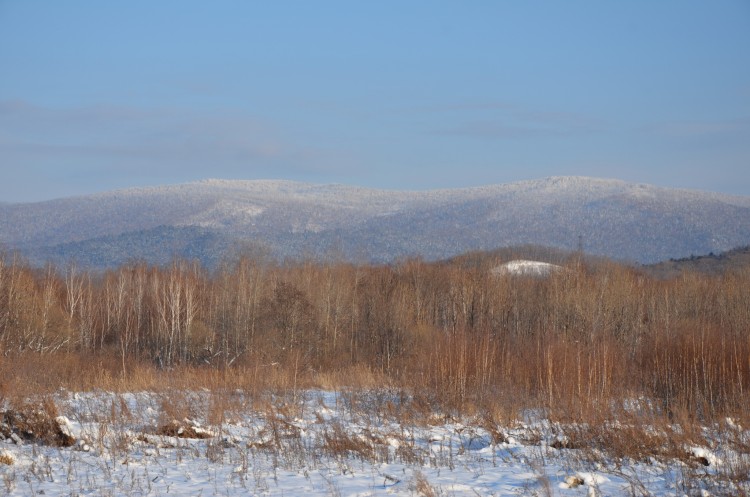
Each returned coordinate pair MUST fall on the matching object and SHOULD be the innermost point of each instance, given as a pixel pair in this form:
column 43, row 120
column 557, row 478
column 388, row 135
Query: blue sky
column 392, row 94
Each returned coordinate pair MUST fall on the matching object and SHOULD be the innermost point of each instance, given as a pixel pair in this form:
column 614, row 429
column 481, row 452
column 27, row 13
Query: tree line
column 588, row 333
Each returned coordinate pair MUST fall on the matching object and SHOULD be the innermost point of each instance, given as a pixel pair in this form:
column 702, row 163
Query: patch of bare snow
column 226, row 212
column 521, row 267
column 704, row 455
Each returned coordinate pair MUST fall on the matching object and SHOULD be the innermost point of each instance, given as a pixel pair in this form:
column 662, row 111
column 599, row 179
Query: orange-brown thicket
column 579, row 342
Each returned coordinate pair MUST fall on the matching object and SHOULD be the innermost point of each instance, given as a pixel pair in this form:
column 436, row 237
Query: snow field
column 327, row 443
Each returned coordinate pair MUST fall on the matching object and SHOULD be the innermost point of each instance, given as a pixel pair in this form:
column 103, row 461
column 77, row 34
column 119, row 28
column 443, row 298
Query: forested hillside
column 207, row 220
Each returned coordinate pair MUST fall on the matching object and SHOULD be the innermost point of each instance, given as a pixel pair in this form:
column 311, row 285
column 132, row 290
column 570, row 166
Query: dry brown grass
column 628, row 442
column 422, row 485
column 35, row 422
column 183, row 429
column 357, row 376
column 337, row 442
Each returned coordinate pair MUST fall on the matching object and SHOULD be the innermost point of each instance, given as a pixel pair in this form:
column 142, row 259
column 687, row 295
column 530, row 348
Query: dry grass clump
column 36, row 422
column 624, row 442
column 356, row 377
column 6, row 458
column 495, row 430
column 186, row 428
column 178, row 404
column 276, row 434
column 337, row 442
column 422, row 486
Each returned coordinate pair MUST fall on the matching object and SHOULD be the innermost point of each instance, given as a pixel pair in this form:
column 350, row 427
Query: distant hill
column 713, row 264
column 204, row 220
column 487, row 260
column 158, row 245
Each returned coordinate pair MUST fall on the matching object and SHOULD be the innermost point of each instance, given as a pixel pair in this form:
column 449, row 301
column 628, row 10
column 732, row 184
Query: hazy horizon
column 351, row 185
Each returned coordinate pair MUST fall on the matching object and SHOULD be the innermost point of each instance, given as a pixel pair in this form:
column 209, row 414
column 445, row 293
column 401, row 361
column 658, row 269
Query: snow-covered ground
column 323, row 443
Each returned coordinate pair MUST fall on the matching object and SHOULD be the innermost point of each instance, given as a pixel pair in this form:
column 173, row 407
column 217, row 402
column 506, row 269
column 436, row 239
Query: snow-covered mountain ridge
column 614, row 218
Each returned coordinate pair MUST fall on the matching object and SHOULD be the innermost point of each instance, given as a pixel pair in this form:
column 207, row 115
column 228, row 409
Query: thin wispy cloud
column 134, row 146
column 498, row 130
column 175, row 139
column 705, row 128
column 507, row 121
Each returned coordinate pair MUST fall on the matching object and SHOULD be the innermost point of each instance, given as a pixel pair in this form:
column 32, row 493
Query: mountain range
column 208, row 220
